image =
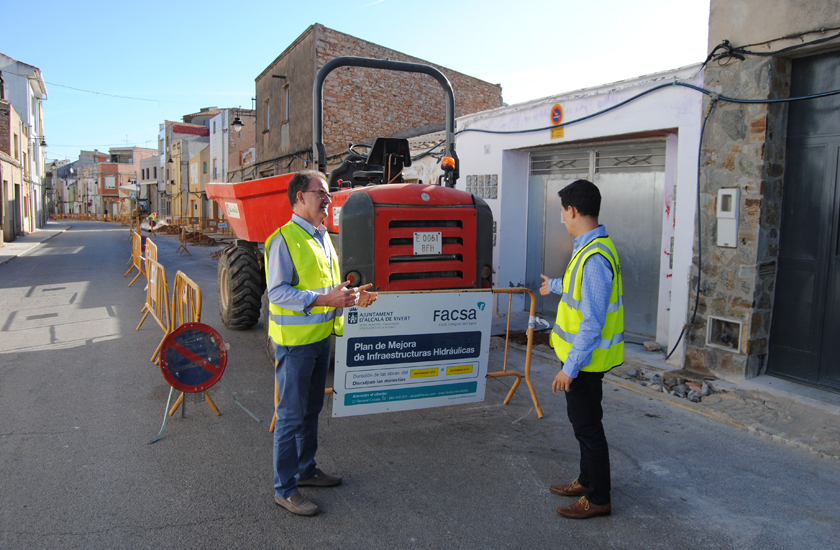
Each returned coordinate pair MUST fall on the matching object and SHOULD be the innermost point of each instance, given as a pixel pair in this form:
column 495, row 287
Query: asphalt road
column 79, row 400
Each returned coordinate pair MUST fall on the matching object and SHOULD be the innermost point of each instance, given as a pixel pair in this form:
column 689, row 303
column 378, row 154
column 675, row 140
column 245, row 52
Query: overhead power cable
column 644, row 93
column 103, row 93
column 792, row 36
column 740, row 51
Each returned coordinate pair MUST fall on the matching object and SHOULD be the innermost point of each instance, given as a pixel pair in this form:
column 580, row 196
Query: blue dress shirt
column 281, row 269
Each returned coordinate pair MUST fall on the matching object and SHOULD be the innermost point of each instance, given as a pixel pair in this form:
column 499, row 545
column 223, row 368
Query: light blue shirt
column 281, row 269
column 595, row 293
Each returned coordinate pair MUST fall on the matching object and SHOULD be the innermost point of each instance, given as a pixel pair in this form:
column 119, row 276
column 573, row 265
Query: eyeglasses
column 321, row 193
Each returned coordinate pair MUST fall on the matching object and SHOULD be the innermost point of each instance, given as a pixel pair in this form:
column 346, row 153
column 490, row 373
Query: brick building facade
column 359, row 104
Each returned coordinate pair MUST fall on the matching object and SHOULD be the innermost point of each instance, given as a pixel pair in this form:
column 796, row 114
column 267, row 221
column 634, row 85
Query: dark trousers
column 583, row 405
column 301, row 374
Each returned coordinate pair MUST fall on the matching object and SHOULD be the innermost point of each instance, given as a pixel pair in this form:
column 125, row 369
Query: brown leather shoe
column 298, row 505
column 584, row 509
column 320, row 479
column 573, row 489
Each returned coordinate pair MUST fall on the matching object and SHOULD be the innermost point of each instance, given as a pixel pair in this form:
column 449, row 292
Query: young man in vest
column 588, row 337
column 306, row 298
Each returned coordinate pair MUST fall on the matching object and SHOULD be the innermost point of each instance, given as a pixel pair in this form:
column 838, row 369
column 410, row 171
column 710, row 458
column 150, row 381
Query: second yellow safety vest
column 610, row 350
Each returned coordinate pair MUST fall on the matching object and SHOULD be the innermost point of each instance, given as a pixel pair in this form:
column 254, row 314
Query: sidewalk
column 794, row 414
column 22, row 245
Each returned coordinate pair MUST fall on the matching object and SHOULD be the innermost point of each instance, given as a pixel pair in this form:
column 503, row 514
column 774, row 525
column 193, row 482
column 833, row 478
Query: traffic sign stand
column 203, row 396
column 192, row 359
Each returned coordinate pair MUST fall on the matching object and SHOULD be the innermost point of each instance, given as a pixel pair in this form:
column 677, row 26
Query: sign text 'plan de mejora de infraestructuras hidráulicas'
column 413, row 351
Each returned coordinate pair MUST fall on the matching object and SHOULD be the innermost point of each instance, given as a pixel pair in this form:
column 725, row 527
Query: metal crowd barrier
column 182, row 247
column 122, row 218
column 532, row 322
column 136, row 257
column 151, row 249
column 157, row 302
column 186, row 300
column 185, row 307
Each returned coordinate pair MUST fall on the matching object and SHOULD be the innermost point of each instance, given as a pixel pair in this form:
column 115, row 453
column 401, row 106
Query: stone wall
column 744, row 148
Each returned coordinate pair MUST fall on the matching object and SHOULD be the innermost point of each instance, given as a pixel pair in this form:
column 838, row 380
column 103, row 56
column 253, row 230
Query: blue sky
column 176, row 57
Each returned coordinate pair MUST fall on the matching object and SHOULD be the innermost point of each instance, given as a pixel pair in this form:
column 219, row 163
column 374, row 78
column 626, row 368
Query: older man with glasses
column 306, row 298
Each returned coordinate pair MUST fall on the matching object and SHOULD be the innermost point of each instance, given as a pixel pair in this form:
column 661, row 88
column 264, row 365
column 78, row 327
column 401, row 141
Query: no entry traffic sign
column 193, row 358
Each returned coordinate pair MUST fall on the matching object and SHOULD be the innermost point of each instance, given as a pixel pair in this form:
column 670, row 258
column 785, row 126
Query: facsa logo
column 454, row 314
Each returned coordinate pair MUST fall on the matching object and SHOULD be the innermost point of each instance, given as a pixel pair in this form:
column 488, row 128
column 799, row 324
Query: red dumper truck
column 396, row 235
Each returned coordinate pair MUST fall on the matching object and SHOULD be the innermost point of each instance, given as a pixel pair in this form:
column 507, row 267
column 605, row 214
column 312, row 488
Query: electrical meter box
column 728, row 207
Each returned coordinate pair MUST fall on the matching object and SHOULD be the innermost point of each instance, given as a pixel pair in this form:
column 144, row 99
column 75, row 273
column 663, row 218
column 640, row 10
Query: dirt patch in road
column 521, row 337
column 199, row 239
column 167, row 230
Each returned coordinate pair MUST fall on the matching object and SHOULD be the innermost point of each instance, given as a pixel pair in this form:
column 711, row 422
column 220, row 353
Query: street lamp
column 237, row 123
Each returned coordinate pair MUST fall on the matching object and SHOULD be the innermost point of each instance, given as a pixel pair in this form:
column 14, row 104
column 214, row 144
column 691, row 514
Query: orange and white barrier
column 183, row 240
column 186, row 301
column 157, row 302
column 136, row 257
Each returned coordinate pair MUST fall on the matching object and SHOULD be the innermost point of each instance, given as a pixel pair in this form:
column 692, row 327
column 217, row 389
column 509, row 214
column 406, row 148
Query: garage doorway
column 631, row 179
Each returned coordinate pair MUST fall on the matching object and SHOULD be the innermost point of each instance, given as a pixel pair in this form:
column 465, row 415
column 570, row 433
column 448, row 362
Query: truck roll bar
column 319, row 155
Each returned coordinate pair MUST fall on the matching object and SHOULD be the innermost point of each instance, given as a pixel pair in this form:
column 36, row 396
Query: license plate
column 427, row 243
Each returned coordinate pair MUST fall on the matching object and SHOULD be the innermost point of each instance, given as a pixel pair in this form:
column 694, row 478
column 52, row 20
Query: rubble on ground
column 682, row 384
column 679, row 384
column 520, row 337
column 653, row 345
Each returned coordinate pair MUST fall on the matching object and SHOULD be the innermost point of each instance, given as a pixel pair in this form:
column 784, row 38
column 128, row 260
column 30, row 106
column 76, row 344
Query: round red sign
column 193, row 358
column 556, row 115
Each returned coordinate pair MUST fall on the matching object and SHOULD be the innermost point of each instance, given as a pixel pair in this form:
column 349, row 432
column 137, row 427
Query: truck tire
column 240, row 282
column 269, row 343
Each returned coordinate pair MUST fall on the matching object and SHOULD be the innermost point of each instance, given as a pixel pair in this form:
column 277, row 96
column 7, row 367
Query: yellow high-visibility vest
column 294, row 328
column 610, row 350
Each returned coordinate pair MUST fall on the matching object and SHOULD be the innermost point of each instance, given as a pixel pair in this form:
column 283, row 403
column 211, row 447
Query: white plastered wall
column 674, row 111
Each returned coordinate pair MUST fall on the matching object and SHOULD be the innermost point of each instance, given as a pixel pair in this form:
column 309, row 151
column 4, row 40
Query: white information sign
column 413, row 351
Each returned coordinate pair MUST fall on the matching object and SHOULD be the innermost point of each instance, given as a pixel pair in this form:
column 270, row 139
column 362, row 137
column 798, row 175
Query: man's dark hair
column 300, row 182
column 583, row 195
